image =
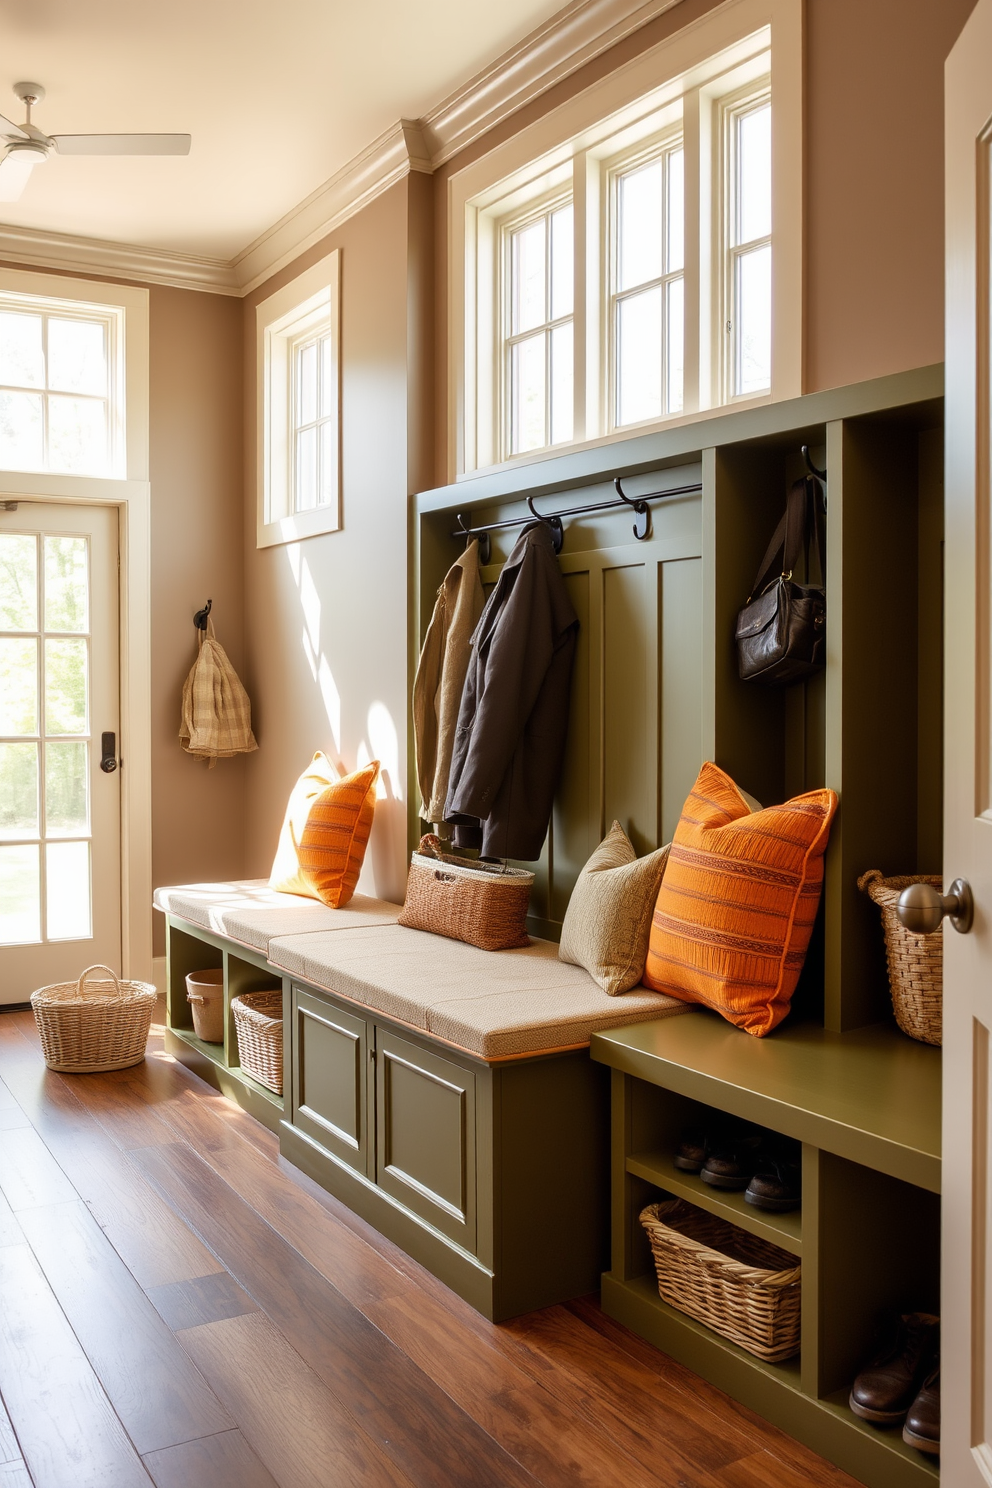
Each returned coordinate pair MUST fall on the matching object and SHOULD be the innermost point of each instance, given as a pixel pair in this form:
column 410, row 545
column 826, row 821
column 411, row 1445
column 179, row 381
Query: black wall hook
column 642, row 520
column 200, row 618
column 484, row 540
column 821, row 475
column 555, row 523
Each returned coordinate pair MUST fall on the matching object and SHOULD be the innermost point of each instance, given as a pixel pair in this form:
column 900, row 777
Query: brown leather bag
column 781, row 633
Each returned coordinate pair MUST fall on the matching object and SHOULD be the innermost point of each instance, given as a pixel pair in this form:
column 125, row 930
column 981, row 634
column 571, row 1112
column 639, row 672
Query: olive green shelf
column 773, row 1390
column 781, row 1229
column 871, row 1095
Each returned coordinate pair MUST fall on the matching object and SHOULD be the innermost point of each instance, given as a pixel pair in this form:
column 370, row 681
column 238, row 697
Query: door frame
column 132, row 499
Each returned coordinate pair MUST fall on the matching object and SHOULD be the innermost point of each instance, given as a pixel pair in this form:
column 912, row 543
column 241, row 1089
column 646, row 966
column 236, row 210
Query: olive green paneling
column 332, row 1051
column 871, row 1095
column 872, row 527
column 887, row 1260
column 425, row 1135
column 930, row 642
column 681, row 685
column 551, row 1174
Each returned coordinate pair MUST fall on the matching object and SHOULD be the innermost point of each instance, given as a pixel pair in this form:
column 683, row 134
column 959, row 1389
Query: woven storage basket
column 485, row 906
column 258, row 1023
column 743, row 1288
column 93, row 1024
column 916, row 962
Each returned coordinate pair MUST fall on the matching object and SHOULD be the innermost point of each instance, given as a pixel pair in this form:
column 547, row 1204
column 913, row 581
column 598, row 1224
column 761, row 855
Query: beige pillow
column 608, row 920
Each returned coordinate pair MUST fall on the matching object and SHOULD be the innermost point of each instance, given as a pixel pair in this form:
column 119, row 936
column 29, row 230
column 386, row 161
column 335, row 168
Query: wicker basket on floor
column 916, row 962
column 93, row 1024
column 258, row 1022
column 742, row 1287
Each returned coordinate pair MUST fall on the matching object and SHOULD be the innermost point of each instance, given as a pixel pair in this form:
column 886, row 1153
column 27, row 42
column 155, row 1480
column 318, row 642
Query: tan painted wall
column 326, row 619
column 197, row 481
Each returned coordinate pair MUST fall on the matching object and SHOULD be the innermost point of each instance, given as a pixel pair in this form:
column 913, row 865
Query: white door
column 966, row 1379
column 60, row 832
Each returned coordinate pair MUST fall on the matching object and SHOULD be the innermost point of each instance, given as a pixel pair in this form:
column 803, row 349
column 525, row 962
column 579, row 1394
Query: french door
column 60, row 818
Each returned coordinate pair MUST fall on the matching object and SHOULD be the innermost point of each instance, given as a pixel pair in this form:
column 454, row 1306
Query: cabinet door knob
column 921, row 908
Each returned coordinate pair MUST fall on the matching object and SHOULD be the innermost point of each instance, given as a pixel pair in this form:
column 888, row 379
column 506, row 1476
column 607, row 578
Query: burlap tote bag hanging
column 216, row 722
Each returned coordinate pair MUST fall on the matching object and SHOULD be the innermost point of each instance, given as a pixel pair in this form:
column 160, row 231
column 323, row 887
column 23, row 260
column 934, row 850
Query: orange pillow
column 325, row 833
column 736, row 906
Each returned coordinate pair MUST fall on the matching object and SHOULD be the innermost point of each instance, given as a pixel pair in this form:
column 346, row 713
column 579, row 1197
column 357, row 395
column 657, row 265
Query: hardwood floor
column 181, row 1307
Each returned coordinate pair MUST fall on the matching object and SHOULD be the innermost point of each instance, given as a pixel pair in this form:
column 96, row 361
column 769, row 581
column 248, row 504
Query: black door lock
column 108, row 745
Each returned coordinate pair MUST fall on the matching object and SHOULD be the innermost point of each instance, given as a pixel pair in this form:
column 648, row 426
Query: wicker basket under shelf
column 916, row 962
column 258, row 1022
column 93, row 1024
column 742, row 1287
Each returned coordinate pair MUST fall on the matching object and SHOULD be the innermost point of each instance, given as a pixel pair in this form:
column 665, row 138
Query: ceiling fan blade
column 15, row 169
column 11, row 130
column 122, row 144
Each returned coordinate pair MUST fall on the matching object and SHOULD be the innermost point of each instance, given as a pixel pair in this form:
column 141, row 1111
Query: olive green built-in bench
column 444, row 1093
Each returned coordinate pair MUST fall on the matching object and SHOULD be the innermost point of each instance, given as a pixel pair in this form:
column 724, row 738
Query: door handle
column 108, row 748
column 921, row 908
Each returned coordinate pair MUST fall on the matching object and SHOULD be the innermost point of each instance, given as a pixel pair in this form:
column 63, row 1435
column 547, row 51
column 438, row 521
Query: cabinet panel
column 330, row 1078
column 425, row 1135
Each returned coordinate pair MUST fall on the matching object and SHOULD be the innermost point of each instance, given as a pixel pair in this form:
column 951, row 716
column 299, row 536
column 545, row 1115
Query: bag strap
column 790, row 537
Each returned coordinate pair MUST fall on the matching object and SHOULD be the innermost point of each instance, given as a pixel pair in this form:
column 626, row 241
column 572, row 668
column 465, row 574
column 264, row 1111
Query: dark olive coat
column 513, row 718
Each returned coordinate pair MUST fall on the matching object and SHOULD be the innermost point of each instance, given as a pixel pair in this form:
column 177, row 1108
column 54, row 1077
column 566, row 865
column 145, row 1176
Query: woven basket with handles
column 258, row 1024
column 916, row 962
column 742, row 1287
column 484, row 904
column 93, row 1024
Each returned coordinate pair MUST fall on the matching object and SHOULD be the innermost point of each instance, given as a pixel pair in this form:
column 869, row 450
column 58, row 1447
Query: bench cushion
column 249, row 911
column 496, row 1004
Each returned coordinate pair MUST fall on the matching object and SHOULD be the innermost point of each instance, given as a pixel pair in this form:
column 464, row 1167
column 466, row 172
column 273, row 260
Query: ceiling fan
column 27, row 147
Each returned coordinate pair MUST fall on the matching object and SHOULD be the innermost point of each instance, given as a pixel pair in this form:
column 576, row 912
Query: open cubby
column 191, row 949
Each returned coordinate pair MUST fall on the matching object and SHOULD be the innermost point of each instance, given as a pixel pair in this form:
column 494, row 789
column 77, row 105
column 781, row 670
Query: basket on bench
column 93, row 1024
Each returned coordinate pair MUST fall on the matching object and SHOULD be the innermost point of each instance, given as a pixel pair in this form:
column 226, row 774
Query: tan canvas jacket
column 437, row 688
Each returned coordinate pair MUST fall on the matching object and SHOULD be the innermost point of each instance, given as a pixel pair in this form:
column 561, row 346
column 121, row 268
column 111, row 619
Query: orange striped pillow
column 334, row 839
column 736, row 906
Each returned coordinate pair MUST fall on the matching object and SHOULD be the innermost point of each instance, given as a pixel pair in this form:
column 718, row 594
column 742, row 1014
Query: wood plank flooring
column 181, row 1307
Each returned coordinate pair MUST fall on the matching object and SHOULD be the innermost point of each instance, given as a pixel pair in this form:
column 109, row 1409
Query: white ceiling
column 278, row 97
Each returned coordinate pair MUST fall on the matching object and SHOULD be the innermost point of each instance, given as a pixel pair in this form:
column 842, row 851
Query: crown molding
column 566, row 41
column 387, row 160
column 570, row 38
column 104, row 259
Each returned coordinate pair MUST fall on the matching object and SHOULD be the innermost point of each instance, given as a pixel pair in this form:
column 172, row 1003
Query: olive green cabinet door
column 331, row 1093
column 425, row 1135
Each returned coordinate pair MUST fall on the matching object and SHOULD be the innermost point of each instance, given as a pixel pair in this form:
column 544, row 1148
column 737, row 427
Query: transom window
column 314, row 396
column 538, row 346
column 647, row 291
column 61, row 387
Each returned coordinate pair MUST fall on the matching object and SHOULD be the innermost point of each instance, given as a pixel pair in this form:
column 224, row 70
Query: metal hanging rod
column 638, row 504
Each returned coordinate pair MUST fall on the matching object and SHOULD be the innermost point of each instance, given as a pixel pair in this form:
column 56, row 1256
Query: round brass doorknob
column 921, row 908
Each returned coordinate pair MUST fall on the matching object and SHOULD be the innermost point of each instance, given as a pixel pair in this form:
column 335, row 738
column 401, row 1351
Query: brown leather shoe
column 922, row 1428
column 885, row 1390
column 730, row 1165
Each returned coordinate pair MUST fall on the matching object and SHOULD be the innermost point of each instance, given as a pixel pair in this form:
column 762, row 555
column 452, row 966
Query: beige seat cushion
column 249, row 911
column 495, row 1004
column 608, row 920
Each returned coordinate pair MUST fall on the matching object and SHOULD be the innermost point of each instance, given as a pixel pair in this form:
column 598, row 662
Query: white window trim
column 571, row 141
column 132, row 498
column 311, row 298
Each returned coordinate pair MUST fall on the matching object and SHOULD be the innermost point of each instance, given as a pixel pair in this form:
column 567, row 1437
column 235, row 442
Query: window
column 647, row 291
column 61, row 386
column 538, row 341
column 676, row 196
column 748, row 272
column 299, row 407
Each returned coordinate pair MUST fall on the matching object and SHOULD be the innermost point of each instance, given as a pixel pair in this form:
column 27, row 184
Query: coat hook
column 642, row 520
column 557, row 530
column 200, row 618
column 485, row 543
column 821, row 475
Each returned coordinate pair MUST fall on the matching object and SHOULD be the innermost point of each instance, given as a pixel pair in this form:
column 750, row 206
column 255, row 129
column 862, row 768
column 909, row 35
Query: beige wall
column 197, row 479
column 326, row 619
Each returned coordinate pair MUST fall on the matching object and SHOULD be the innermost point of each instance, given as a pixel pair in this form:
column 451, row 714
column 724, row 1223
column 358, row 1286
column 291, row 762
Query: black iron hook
column 200, row 618
column 485, row 544
column 642, row 520
column 817, row 473
column 555, row 523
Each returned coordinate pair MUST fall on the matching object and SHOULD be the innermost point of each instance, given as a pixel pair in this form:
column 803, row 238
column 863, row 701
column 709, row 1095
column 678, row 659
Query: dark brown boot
column 922, row 1428
column 885, row 1390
